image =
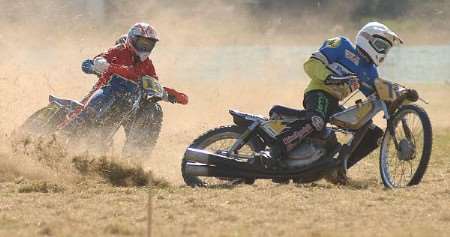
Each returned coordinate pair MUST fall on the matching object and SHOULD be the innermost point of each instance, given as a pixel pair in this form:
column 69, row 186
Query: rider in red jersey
column 128, row 60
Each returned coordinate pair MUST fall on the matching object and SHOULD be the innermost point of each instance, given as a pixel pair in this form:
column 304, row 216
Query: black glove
column 412, row 95
column 172, row 99
column 87, row 66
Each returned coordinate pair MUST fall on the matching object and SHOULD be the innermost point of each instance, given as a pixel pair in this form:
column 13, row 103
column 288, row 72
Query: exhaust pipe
column 205, row 163
column 197, row 155
column 197, row 170
column 212, row 171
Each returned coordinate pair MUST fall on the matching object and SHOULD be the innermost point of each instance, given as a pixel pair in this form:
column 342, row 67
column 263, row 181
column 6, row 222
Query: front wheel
column 216, row 140
column 406, row 165
column 143, row 131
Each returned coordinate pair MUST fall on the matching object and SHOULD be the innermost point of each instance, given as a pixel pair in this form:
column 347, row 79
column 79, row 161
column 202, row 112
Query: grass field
column 364, row 208
column 50, row 197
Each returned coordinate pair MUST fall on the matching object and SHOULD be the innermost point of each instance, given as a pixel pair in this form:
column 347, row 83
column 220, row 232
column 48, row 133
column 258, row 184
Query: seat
column 281, row 112
column 244, row 119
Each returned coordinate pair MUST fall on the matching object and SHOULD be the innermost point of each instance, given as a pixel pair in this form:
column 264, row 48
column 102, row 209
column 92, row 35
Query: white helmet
column 142, row 38
column 375, row 39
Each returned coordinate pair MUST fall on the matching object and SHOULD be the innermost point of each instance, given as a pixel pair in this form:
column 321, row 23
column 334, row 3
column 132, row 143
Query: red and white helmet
column 376, row 39
column 142, row 39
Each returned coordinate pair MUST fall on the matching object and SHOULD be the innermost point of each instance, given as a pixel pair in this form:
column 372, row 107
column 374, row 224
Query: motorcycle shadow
column 351, row 185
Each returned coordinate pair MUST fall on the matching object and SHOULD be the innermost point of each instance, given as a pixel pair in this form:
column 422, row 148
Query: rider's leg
column 318, row 106
column 290, row 138
column 369, row 143
column 96, row 105
column 321, row 102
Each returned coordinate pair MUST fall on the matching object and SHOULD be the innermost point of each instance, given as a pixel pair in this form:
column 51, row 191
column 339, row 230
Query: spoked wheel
column 218, row 140
column 143, row 131
column 43, row 122
column 406, row 165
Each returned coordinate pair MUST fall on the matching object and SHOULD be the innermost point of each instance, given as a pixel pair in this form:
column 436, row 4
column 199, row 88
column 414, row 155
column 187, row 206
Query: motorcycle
column 133, row 105
column 230, row 155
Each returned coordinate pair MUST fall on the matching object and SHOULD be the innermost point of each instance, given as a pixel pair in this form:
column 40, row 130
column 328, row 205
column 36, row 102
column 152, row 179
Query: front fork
column 406, row 130
column 391, row 126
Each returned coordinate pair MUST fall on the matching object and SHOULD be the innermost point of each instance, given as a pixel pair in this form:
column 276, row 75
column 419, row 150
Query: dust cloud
column 43, row 42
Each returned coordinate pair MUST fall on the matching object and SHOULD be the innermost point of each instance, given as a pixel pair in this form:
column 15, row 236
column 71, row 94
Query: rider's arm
column 174, row 96
column 316, row 70
column 128, row 72
column 105, row 63
column 317, row 65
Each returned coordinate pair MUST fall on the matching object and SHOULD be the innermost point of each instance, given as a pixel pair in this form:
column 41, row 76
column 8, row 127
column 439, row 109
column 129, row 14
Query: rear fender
column 67, row 104
column 245, row 120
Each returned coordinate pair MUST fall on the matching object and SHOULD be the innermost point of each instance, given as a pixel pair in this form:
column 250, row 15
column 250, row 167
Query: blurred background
column 261, row 31
column 43, row 42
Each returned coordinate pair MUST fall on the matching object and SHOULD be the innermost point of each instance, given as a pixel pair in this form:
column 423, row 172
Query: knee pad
column 318, row 123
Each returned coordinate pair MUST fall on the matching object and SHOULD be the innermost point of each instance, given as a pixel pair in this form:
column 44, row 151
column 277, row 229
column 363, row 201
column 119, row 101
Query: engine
column 312, row 149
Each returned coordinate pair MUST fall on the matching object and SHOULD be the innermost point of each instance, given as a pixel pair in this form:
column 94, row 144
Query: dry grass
column 117, row 172
column 38, row 186
column 88, row 196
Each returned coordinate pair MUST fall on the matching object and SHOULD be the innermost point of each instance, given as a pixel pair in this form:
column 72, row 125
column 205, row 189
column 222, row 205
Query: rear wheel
column 406, row 165
column 43, row 121
column 216, row 140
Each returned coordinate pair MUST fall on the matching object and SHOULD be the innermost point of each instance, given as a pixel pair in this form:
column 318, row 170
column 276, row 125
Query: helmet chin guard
column 143, row 55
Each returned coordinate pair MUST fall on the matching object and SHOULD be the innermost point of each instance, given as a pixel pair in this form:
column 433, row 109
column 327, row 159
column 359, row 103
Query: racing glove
column 350, row 80
column 174, row 96
column 412, row 95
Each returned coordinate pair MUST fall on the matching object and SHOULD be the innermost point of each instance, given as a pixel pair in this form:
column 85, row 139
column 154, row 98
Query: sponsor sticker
column 334, row 42
column 352, row 57
column 300, row 134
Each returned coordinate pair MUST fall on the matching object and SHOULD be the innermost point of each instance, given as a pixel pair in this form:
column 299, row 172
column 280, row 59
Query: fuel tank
column 354, row 117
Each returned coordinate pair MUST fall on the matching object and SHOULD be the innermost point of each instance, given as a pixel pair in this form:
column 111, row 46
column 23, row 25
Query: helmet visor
column 381, row 45
column 143, row 44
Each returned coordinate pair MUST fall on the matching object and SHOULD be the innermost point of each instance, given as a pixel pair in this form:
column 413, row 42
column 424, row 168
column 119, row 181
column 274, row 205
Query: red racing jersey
column 124, row 62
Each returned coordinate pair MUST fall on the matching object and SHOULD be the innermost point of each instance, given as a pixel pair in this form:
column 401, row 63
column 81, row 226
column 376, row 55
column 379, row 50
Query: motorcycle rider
column 337, row 69
column 129, row 60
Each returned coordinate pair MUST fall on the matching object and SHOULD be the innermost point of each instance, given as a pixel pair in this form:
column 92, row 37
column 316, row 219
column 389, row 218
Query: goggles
column 142, row 44
column 380, row 45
